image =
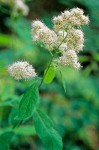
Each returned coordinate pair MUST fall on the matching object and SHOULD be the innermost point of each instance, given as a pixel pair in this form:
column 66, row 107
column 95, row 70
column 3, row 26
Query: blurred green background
column 76, row 111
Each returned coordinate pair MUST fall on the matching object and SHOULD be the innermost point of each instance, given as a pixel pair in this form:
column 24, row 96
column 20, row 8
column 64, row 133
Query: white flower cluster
column 21, row 70
column 43, row 34
column 66, row 37
column 75, row 40
column 69, row 58
column 18, row 7
column 68, row 19
column 68, row 22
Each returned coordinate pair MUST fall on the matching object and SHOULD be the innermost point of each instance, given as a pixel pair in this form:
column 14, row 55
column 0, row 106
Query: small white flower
column 21, row 70
column 36, row 25
column 63, row 47
column 61, row 34
column 41, row 33
column 68, row 19
column 85, row 20
column 65, row 38
column 65, row 14
column 57, row 23
column 78, row 18
column 69, row 58
column 75, row 40
column 77, row 11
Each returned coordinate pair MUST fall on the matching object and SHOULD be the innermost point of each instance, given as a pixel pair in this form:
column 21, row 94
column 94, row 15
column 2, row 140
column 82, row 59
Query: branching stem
column 51, row 62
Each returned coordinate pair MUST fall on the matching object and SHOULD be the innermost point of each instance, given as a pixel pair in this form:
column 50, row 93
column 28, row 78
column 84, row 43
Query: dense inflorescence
column 43, row 34
column 66, row 37
column 21, row 70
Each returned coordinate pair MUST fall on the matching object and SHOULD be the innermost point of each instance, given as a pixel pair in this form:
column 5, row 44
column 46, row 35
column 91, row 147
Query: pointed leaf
column 46, row 132
column 49, row 75
column 13, row 121
column 29, row 102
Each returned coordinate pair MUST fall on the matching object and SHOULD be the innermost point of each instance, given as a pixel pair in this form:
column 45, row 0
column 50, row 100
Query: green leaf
column 25, row 130
column 9, row 103
column 5, row 140
column 29, row 102
column 13, row 121
column 49, row 75
column 46, row 131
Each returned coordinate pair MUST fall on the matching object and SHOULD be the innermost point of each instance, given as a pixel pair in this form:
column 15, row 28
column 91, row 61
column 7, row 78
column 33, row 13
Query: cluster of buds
column 17, row 6
column 66, row 36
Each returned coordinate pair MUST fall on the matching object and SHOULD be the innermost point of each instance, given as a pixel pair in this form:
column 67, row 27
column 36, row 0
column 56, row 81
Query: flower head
column 68, row 19
column 57, row 22
column 36, row 25
column 75, row 40
column 69, row 58
column 78, row 18
column 21, row 70
column 43, row 34
column 66, row 38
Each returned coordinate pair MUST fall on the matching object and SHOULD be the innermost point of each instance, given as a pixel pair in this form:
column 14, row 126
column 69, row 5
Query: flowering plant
column 66, row 38
column 64, row 42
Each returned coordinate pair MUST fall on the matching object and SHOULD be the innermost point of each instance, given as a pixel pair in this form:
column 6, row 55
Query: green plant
column 63, row 44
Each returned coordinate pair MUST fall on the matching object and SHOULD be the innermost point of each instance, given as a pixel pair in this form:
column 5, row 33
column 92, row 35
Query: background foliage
column 75, row 111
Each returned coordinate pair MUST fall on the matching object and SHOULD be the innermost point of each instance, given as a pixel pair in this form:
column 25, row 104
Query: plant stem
column 50, row 62
column 16, row 126
column 46, row 71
